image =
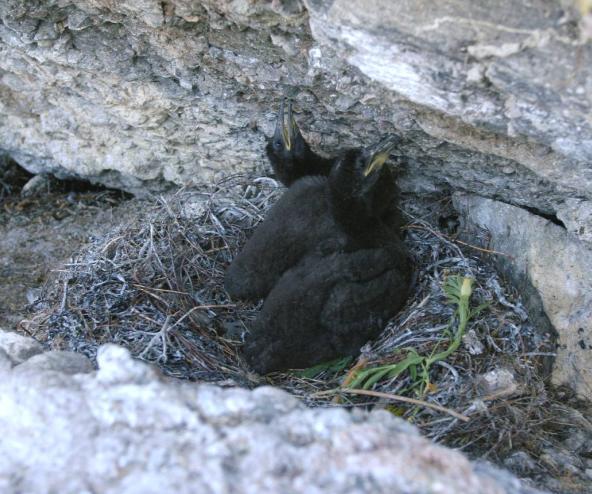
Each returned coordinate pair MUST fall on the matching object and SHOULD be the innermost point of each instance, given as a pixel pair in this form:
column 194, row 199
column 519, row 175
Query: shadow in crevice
column 17, row 183
column 12, row 177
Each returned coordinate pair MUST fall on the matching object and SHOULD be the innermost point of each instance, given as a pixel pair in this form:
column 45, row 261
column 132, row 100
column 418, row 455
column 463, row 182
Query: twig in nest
column 163, row 336
column 360, row 364
column 405, row 399
column 442, row 235
column 64, row 296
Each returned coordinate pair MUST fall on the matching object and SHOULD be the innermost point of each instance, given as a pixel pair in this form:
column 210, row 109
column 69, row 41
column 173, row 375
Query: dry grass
column 156, row 287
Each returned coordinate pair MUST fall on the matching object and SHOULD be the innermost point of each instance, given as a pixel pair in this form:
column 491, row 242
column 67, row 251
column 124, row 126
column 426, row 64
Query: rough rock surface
column 19, row 348
column 145, row 94
column 61, row 361
column 123, row 429
column 546, row 258
column 37, row 235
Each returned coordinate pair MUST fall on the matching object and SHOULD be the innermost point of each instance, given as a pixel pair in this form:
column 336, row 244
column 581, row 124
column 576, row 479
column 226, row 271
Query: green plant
column 333, row 366
column 458, row 290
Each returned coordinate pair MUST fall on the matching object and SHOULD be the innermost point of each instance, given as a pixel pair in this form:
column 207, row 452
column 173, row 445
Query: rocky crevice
column 551, row 270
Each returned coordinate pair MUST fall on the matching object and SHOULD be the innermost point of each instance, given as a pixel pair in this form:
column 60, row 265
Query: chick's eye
column 277, row 145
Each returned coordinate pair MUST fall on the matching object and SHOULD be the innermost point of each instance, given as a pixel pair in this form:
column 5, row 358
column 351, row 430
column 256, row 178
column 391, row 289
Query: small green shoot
column 458, row 290
column 334, row 366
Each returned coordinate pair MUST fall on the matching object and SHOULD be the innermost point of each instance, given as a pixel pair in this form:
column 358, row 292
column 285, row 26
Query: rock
column 33, row 294
column 562, row 461
column 5, row 361
column 116, row 365
column 498, row 383
column 472, row 342
column 141, row 96
column 579, row 440
column 59, row 361
column 19, row 348
column 576, row 215
column 521, row 463
column 504, row 478
column 71, row 433
column 414, row 49
column 552, row 270
column 37, row 184
column 556, row 476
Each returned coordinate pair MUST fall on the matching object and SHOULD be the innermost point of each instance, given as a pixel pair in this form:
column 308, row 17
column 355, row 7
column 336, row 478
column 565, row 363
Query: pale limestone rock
column 498, row 382
column 551, row 267
column 18, row 347
column 58, row 361
column 6, row 362
column 124, row 430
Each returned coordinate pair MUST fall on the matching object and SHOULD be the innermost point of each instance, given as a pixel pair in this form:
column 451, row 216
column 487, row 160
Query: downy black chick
column 330, row 303
column 289, row 154
column 309, row 219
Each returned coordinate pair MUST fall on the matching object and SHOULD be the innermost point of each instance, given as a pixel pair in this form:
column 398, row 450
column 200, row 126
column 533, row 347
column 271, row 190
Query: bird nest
column 156, row 287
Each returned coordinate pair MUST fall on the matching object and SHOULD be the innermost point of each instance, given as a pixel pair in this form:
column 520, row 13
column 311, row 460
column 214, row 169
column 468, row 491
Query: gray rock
column 469, row 61
column 580, row 440
column 5, row 361
column 562, row 461
column 554, row 273
column 19, row 348
column 134, row 432
column 36, row 185
column 522, row 463
column 576, row 215
column 505, row 479
column 116, row 365
column 141, row 96
column 64, row 362
column 498, row 382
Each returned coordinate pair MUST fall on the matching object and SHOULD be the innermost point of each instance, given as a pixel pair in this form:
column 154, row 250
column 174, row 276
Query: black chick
column 330, row 304
column 298, row 225
column 290, row 155
column 309, row 219
column 328, row 307
column 363, row 192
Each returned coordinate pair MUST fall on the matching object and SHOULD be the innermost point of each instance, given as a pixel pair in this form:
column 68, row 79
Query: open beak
column 286, row 128
column 379, row 153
